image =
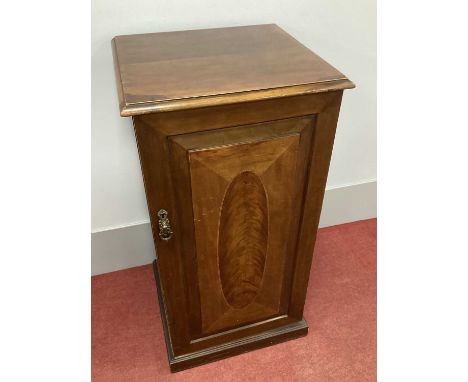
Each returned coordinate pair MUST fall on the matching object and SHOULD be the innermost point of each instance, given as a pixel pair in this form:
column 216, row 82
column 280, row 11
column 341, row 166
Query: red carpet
column 128, row 343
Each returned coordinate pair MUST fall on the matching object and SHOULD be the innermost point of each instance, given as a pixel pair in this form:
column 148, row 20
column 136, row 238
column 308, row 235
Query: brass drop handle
column 165, row 231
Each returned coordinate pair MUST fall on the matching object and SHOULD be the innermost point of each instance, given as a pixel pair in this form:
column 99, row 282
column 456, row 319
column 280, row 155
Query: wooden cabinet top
column 181, row 70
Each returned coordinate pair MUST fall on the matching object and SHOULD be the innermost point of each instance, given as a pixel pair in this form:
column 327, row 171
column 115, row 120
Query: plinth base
column 242, row 345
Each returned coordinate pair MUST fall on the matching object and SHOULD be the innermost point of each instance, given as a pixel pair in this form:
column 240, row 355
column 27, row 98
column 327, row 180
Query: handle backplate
column 165, row 231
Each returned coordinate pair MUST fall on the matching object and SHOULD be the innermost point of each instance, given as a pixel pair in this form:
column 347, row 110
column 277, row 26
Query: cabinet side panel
column 154, row 160
column 322, row 146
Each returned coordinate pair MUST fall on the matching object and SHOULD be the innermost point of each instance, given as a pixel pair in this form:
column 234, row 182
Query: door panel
column 239, row 194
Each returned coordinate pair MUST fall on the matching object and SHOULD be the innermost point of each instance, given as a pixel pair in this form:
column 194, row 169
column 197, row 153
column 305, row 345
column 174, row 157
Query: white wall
column 342, row 32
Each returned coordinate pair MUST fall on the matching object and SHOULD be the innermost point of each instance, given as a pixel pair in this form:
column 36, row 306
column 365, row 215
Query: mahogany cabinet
column 235, row 129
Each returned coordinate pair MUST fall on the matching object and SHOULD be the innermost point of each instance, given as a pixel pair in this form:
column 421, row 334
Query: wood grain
column 168, row 71
column 235, row 130
column 153, row 150
column 243, row 239
column 204, row 165
column 322, row 146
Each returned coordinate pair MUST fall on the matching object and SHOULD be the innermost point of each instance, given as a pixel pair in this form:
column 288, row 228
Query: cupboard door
column 239, row 193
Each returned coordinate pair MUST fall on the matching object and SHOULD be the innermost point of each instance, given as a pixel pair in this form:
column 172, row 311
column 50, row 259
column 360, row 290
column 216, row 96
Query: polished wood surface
column 178, row 70
column 190, row 160
column 243, row 239
column 235, row 130
column 229, row 224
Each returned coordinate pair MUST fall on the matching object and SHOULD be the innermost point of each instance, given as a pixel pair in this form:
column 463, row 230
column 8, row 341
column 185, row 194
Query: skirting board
column 130, row 246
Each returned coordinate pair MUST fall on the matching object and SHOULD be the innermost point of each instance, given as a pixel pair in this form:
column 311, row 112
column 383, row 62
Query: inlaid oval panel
column 243, row 238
